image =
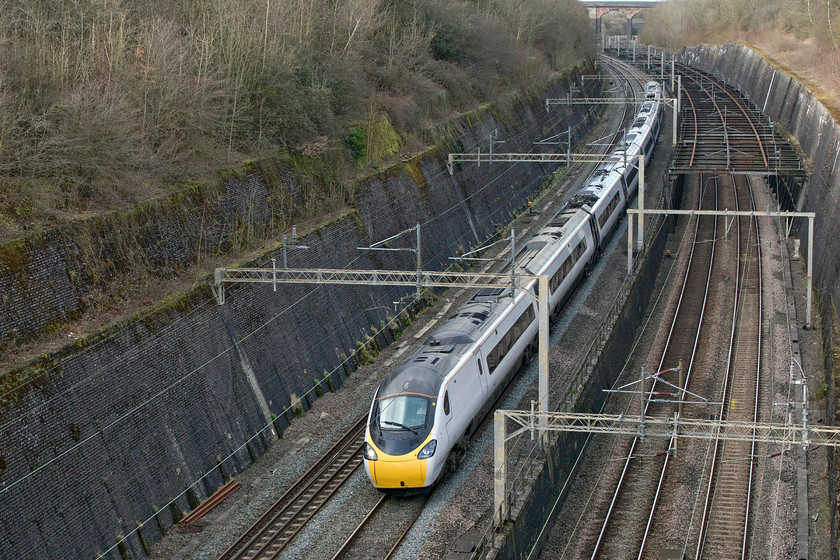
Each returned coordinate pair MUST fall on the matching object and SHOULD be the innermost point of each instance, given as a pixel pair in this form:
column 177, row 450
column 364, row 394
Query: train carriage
column 431, row 403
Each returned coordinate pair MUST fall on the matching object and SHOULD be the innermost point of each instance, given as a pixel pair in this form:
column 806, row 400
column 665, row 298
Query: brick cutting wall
column 115, row 427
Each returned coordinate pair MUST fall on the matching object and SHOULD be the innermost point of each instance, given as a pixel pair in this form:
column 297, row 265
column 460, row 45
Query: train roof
column 629, row 138
column 425, row 370
column 533, row 257
column 414, row 379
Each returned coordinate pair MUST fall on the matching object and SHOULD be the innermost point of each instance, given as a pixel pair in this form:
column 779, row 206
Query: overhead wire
column 189, row 374
column 268, row 425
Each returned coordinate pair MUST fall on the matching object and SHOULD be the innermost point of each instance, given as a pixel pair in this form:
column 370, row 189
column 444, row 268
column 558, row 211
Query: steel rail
column 727, row 392
column 410, row 524
column 624, row 471
column 749, row 119
column 365, row 524
column 671, row 337
column 248, row 543
column 696, row 128
column 724, row 392
column 720, row 114
column 689, row 369
column 359, row 527
column 757, row 376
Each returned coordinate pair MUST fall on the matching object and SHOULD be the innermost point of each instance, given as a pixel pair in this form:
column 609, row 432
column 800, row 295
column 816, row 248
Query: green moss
column 360, row 223
column 366, row 356
column 226, row 175
column 381, row 140
column 160, row 315
column 328, row 380
column 13, row 256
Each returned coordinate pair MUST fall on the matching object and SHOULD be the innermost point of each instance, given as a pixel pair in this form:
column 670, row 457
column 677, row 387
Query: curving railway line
column 375, row 536
column 720, row 134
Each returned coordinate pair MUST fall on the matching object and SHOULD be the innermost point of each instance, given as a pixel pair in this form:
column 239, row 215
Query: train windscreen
column 404, row 412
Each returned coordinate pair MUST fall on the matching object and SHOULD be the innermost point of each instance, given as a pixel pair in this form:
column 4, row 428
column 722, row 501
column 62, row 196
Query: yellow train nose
column 405, row 473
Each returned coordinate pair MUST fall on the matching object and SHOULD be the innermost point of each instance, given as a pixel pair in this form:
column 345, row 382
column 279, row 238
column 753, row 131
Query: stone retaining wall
column 166, row 405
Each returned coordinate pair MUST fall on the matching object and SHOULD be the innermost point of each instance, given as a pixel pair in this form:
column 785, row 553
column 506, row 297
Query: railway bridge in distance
column 628, row 8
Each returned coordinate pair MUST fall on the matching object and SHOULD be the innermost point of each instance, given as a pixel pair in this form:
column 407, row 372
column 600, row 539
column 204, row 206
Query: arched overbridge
column 628, row 8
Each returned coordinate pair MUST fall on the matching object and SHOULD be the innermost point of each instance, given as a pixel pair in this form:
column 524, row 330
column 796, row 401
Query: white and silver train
column 431, row 404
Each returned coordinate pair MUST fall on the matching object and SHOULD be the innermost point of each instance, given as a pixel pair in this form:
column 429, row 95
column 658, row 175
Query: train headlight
column 370, row 454
column 428, row 450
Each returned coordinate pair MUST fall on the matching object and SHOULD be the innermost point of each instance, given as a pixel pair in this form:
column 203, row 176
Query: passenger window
column 446, row 403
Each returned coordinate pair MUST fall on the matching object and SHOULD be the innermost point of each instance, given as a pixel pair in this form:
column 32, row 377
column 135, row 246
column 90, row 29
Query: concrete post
column 679, row 92
column 810, row 271
column 499, row 468
column 672, row 73
column 641, row 202
column 543, row 357
column 629, row 244
column 674, row 128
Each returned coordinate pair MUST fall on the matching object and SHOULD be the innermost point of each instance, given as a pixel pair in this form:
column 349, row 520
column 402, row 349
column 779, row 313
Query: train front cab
column 397, row 473
column 404, row 434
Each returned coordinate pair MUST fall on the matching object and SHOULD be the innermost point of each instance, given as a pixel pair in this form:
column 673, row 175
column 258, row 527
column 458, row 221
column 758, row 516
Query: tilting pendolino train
column 432, row 403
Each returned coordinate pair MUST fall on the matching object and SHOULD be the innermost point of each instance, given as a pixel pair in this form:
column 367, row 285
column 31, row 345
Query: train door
column 482, row 374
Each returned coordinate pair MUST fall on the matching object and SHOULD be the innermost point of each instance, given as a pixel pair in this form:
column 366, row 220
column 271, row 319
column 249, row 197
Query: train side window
column 446, row 403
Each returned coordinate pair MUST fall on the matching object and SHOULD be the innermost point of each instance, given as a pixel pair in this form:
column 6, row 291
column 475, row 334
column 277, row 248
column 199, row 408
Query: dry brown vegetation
column 104, row 103
column 803, row 36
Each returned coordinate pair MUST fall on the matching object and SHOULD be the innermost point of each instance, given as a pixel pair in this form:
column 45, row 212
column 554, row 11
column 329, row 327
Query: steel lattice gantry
column 469, row 280
column 692, row 428
column 642, row 426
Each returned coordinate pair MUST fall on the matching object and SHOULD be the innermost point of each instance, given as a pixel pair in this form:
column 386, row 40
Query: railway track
column 725, row 517
column 714, row 501
column 270, row 534
column 627, row 520
column 373, row 537
column 725, row 521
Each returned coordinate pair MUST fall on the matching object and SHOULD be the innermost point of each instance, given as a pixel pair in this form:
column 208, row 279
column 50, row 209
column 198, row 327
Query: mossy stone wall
column 107, row 432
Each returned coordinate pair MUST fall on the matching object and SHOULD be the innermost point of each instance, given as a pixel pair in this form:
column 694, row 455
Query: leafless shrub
column 105, row 103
